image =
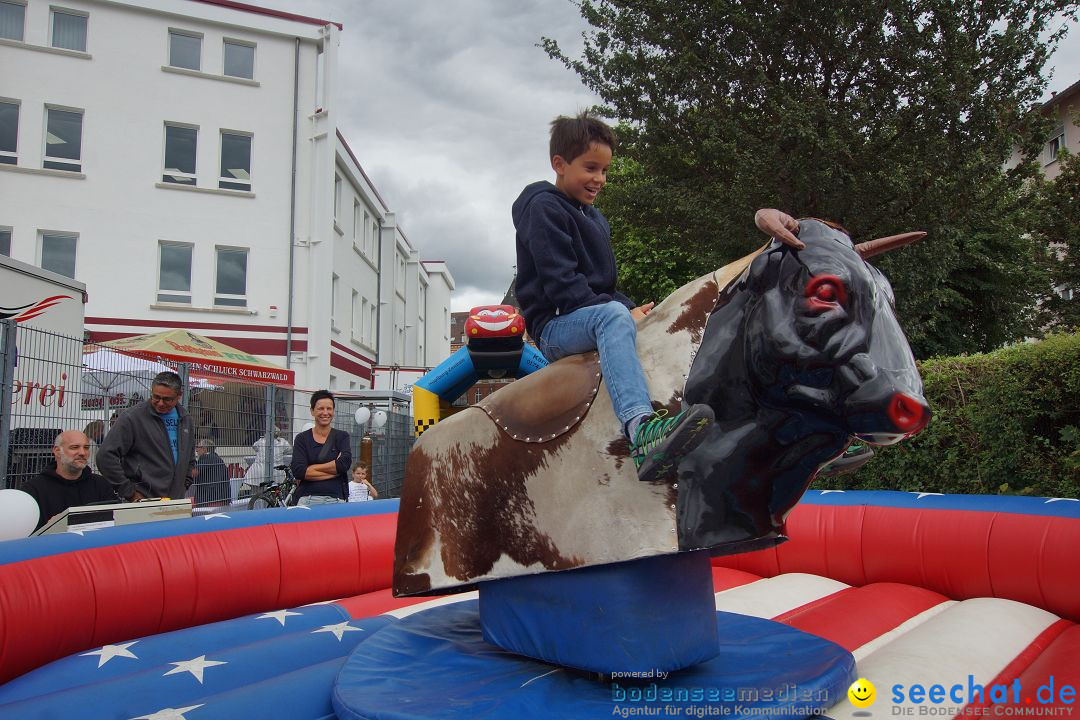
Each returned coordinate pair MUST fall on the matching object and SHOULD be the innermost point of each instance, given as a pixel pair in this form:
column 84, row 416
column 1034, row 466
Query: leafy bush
column 1006, row 422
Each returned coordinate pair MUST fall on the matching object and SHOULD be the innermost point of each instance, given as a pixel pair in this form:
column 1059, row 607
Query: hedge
column 1006, row 422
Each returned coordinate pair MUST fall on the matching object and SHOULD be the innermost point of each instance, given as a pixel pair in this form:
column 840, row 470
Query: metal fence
column 53, row 383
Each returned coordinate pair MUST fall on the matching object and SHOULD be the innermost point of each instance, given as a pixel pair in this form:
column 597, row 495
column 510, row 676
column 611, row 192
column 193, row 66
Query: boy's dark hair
column 572, row 136
column 322, row 395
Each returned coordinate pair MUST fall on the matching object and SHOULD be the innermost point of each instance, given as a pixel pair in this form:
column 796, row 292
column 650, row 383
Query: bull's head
column 799, row 355
column 822, row 336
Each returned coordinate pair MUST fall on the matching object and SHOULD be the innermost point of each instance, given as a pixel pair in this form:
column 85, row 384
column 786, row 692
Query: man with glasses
column 150, row 451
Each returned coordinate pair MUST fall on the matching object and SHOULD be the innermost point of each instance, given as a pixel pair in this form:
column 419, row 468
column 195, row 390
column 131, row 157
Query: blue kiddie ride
column 495, row 347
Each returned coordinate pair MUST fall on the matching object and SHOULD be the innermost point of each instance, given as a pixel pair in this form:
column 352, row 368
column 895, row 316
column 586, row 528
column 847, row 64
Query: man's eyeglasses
column 154, row 397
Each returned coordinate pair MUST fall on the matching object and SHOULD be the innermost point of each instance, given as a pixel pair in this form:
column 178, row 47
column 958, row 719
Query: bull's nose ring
column 908, row 414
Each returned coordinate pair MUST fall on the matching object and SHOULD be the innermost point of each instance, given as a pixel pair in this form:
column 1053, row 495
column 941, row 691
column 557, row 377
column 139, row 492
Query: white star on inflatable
column 194, row 666
column 825, row 492
column 108, row 652
column 169, row 713
column 920, row 496
column 298, row 507
column 217, row 515
column 1050, row 500
column 278, row 615
column 339, row 630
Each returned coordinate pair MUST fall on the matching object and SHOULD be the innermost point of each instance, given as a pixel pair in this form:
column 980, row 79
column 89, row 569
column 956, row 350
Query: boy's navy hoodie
column 564, row 256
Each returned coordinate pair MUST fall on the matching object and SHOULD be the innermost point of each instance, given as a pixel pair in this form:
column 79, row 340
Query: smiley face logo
column 862, row 693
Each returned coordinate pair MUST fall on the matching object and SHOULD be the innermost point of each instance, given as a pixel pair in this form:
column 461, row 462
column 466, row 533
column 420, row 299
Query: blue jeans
column 309, row 500
column 609, row 329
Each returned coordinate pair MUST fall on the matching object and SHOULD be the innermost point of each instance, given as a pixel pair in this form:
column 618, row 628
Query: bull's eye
column 825, row 292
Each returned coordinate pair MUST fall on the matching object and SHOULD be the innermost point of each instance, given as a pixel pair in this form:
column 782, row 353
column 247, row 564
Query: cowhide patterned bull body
column 796, row 351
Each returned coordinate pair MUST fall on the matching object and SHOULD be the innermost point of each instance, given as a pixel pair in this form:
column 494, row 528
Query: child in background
column 360, row 488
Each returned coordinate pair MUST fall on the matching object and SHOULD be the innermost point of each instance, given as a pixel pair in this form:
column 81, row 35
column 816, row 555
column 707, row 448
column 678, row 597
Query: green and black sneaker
column 856, row 455
column 661, row 441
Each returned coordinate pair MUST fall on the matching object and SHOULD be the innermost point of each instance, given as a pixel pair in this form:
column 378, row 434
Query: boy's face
column 583, row 178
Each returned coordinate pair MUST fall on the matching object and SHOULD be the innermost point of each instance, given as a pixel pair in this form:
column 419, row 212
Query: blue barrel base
column 436, row 664
column 654, row 614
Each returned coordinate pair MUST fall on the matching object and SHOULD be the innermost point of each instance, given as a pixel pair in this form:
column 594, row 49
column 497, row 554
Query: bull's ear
column 870, row 248
column 764, row 269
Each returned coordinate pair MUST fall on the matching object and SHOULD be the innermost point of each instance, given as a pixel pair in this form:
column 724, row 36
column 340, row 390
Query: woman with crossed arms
column 321, row 456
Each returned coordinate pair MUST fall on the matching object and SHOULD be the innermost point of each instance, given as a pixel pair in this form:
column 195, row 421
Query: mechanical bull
column 796, row 352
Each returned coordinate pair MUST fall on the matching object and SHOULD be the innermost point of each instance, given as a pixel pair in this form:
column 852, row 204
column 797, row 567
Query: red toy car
column 488, row 321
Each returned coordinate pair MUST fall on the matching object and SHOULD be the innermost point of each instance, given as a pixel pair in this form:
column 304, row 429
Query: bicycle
column 273, row 493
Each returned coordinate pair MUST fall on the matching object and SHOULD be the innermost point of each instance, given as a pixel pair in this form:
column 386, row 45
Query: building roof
column 510, row 298
column 244, row 7
column 1062, row 96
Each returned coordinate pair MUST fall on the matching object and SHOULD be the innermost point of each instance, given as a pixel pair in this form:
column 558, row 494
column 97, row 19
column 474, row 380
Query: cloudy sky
column 446, row 105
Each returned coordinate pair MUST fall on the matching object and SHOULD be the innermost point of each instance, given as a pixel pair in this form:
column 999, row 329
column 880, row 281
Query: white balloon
column 378, row 419
column 307, row 426
column 18, row 514
column 362, row 415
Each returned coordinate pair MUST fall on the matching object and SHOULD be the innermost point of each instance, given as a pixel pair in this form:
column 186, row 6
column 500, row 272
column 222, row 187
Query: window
column 239, row 59
column 358, row 225
column 68, row 29
column 333, row 301
column 185, row 50
column 9, row 132
column 231, row 286
column 63, row 140
column 373, row 325
column 355, row 316
column 374, row 239
column 5, row 241
column 174, row 273
column 1057, row 142
column 58, row 253
column 365, row 326
column 337, row 196
column 180, row 144
column 235, row 161
column 11, row 20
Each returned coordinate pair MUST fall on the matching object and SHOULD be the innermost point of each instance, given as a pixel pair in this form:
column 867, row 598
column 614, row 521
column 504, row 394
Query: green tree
column 883, row 115
column 1056, row 226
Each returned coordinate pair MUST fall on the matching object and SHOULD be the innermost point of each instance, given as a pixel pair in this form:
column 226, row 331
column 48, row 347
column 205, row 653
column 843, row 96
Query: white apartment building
column 182, row 158
column 1063, row 108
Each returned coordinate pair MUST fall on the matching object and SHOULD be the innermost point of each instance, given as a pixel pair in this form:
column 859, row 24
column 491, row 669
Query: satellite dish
column 378, row 419
column 362, row 415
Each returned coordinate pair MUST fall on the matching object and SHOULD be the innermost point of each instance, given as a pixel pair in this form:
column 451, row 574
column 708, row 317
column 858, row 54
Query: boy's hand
column 641, row 311
column 779, row 225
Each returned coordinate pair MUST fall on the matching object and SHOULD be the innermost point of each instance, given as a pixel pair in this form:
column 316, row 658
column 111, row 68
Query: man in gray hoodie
column 150, row 451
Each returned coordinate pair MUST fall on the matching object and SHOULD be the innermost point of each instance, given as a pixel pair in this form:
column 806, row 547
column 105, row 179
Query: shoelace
column 651, row 433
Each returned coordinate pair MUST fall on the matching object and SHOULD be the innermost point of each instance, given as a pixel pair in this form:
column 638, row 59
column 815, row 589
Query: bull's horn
column 870, row 248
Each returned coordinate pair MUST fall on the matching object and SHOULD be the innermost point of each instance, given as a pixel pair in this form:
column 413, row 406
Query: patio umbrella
column 114, row 380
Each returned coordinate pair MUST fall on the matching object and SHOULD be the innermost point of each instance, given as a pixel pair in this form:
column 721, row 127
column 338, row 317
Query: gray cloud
column 447, row 105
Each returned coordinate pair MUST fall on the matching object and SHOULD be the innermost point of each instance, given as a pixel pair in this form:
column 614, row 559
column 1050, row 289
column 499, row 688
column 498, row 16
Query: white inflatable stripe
column 901, row 629
column 769, row 597
column 944, row 649
column 434, row 602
